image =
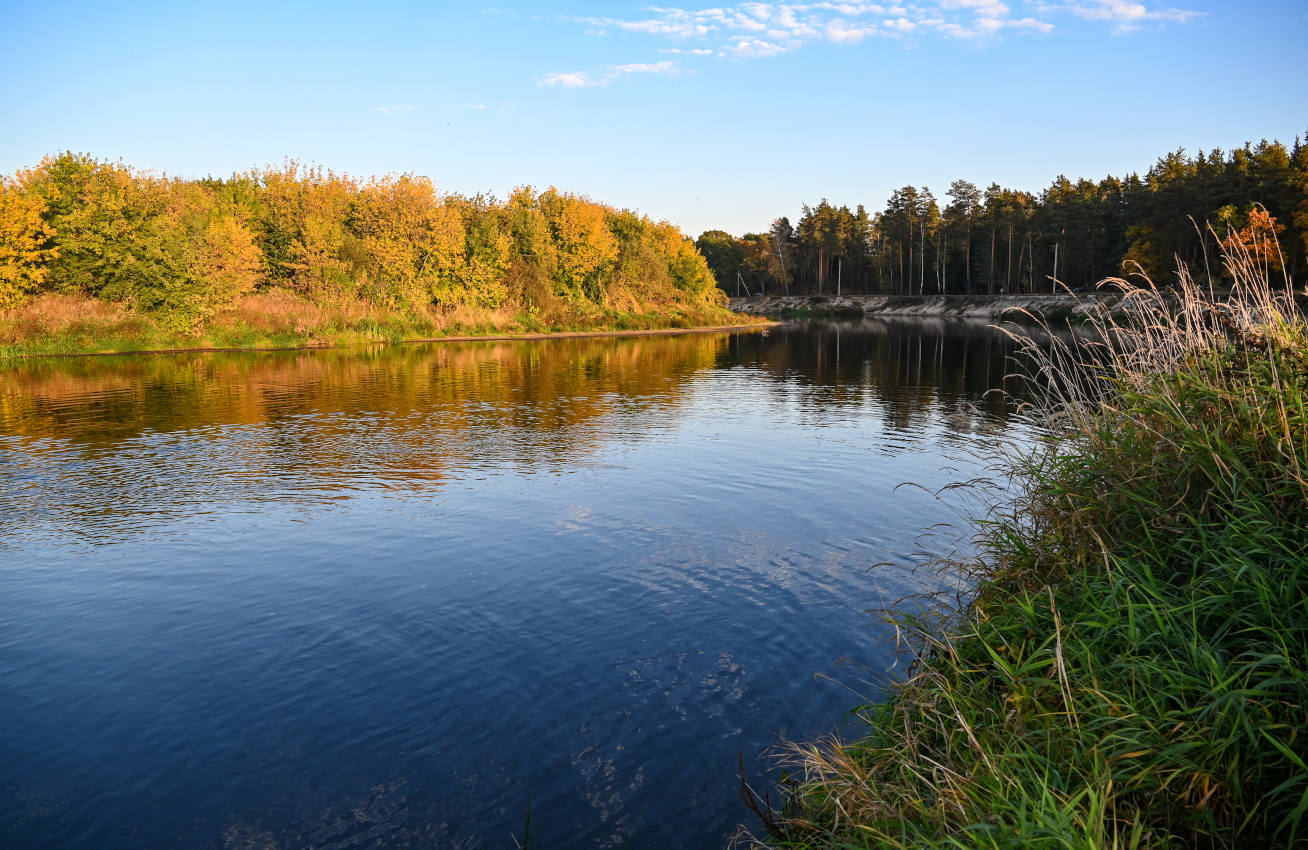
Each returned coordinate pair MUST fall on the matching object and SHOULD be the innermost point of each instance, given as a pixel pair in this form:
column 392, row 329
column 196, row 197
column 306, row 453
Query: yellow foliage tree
column 686, row 265
column 480, row 259
column 641, row 276
column 184, row 249
column 306, row 238
column 414, row 244
column 586, row 249
column 225, row 263
column 24, row 244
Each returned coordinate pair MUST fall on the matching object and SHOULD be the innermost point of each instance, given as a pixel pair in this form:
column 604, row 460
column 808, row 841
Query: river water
column 414, row 596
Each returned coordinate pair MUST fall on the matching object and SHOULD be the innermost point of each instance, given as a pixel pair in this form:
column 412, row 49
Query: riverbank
column 1066, row 304
column 1132, row 668
column 69, row 326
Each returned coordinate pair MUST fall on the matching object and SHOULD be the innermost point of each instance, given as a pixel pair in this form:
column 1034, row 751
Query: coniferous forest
column 328, row 253
column 1001, row 240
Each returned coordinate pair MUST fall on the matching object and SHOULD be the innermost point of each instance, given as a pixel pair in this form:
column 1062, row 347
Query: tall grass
column 1131, row 670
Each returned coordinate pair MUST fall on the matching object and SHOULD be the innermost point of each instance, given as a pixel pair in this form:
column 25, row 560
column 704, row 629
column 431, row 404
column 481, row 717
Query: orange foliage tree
column 1257, row 239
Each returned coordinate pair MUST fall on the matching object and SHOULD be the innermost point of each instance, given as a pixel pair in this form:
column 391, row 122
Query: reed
column 1131, row 667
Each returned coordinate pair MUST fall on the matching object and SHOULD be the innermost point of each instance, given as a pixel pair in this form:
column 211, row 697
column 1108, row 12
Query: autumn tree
column 1257, row 240
column 24, row 244
column 306, row 243
column 210, row 255
column 477, row 277
column 585, row 247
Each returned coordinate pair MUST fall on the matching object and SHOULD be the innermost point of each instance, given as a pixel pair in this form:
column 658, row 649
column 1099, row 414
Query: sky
column 711, row 117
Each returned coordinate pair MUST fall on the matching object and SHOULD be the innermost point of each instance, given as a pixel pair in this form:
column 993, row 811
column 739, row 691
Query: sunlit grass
column 67, row 324
column 1132, row 668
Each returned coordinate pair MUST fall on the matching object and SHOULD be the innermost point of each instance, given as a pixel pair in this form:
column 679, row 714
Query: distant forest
column 182, row 250
column 1009, row 241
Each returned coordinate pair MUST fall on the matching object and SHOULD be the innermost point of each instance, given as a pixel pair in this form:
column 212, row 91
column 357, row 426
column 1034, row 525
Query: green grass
column 1132, row 668
column 67, row 325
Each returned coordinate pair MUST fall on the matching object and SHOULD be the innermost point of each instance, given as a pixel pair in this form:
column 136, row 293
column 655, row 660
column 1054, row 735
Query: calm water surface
column 386, row 598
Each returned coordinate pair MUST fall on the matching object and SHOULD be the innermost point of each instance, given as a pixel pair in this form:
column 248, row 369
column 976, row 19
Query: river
column 415, row 596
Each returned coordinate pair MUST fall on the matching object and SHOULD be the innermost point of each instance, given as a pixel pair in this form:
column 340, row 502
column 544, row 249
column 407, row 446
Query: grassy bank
column 62, row 324
column 1132, row 668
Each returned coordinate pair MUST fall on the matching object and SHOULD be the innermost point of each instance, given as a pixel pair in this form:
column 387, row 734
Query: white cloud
column 756, row 29
column 1030, row 24
column 568, row 79
column 644, row 68
column 760, row 29
column 1127, row 16
column 851, row 10
column 750, row 48
column 398, row 107
column 983, row 8
column 607, row 74
column 675, row 23
column 842, row 33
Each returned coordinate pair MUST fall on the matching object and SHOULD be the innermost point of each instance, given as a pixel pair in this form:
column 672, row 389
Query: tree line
column 1010, row 241
column 185, row 249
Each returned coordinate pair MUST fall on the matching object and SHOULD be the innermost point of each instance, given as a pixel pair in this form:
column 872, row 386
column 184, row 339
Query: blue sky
column 705, row 115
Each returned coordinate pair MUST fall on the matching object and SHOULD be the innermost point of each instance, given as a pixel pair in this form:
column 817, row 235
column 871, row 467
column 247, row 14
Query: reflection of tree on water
column 92, row 439
column 548, row 384
column 911, row 370
column 96, row 438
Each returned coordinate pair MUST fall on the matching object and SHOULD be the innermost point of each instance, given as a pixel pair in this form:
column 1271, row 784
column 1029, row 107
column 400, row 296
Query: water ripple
column 385, row 598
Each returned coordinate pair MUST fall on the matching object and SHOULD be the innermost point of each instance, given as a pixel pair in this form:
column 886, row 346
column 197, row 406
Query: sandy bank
column 944, row 306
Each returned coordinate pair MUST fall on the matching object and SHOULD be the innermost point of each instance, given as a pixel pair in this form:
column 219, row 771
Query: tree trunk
column 990, row 279
column 1019, row 265
column 941, row 257
column 921, row 283
column 967, row 283
column 1030, row 252
column 908, row 283
column 1008, row 275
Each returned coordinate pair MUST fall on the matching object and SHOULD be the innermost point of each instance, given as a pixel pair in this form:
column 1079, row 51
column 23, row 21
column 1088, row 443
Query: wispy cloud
column 1127, row 16
column 607, row 74
column 397, row 107
column 757, row 29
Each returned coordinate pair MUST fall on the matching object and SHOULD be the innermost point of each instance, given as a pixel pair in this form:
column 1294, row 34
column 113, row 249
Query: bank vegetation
column 96, row 255
column 1131, row 668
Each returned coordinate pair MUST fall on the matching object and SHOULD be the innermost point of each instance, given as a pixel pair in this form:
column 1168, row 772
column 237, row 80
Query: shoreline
column 1123, row 670
column 1071, row 304
column 522, row 337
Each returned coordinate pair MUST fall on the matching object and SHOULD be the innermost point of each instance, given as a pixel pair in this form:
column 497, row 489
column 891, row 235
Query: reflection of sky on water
column 264, row 600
